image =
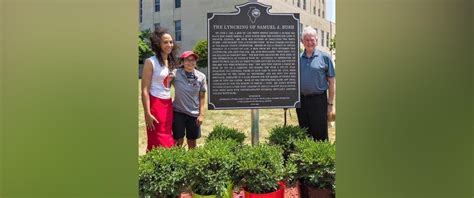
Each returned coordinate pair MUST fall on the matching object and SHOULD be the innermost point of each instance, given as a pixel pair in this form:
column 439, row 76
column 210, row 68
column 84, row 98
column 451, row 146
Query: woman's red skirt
column 162, row 136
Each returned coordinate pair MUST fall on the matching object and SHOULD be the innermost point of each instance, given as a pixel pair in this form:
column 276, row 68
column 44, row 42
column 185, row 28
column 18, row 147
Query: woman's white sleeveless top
column 160, row 80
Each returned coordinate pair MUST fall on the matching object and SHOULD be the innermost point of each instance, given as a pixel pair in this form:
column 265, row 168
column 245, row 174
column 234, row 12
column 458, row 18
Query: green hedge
column 224, row 133
column 223, row 161
column 211, row 167
column 163, row 172
column 315, row 163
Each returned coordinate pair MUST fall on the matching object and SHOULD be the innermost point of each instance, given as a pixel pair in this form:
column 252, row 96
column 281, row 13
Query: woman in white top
column 155, row 87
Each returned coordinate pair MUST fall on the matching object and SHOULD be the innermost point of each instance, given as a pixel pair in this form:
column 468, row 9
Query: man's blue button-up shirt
column 314, row 72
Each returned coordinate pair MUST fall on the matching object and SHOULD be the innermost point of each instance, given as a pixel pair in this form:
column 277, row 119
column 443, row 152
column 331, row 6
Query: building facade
column 187, row 19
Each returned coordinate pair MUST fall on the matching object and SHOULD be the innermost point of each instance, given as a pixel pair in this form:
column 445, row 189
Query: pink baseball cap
column 186, row 54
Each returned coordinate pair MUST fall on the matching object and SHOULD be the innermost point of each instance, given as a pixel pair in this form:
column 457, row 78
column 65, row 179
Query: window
column 324, row 15
column 177, row 3
column 304, row 4
column 322, row 38
column 141, row 11
column 298, row 3
column 157, row 5
column 314, row 10
column 177, row 30
column 327, row 39
column 157, row 25
column 301, row 29
column 319, row 12
column 317, row 40
column 323, row 1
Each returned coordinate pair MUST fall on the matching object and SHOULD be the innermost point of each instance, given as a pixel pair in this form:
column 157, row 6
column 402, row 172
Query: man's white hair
column 309, row 31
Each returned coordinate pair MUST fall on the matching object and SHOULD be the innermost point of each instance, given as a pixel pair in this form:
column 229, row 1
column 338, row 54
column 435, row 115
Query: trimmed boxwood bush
column 290, row 174
column 162, row 172
column 284, row 136
column 315, row 162
column 223, row 132
column 211, row 167
column 259, row 168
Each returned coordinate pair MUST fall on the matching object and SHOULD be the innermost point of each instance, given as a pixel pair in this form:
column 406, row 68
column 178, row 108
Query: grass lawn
column 239, row 119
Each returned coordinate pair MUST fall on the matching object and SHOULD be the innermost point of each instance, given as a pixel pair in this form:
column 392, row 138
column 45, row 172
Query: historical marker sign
column 253, row 58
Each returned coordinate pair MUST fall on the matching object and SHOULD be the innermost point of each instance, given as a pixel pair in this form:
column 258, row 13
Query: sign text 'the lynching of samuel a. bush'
column 253, row 58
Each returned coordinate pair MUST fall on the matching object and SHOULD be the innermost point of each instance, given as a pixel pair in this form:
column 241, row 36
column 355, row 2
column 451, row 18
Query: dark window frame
column 177, row 32
column 157, row 5
column 140, row 18
column 177, row 3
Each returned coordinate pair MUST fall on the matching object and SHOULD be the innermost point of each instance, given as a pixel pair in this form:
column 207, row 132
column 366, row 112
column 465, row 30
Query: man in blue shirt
column 318, row 79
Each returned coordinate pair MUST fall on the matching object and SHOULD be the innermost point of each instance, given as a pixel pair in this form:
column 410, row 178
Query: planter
column 186, row 195
column 228, row 195
column 163, row 196
column 240, row 194
column 293, row 191
column 277, row 194
column 318, row 192
column 203, row 196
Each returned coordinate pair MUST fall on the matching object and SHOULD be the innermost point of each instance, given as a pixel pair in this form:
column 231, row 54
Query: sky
column 331, row 10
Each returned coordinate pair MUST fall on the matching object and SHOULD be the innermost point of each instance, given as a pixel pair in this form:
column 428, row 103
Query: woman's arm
column 202, row 100
column 145, row 88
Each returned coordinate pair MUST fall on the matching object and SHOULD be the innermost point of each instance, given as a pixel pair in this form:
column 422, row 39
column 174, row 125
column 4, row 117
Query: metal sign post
column 255, row 119
column 255, row 134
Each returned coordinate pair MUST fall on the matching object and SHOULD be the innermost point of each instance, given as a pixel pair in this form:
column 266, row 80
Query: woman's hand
column 199, row 120
column 150, row 120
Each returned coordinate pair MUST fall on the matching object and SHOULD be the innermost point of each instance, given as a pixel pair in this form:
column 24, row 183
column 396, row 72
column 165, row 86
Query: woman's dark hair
column 155, row 39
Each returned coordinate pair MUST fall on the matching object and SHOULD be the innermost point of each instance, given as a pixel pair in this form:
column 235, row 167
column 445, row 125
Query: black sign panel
column 253, row 58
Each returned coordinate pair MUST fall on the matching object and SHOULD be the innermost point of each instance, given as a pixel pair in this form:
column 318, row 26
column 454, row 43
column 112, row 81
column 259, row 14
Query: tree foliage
column 332, row 44
column 201, row 50
column 144, row 46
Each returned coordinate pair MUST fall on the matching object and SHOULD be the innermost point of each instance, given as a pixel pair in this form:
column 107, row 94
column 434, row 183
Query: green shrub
column 290, row 174
column 259, row 168
column 201, row 50
column 222, row 132
column 211, row 167
column 146, row 176
column 162, row 172
column 284, row 136
column 315, row 162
